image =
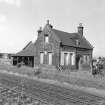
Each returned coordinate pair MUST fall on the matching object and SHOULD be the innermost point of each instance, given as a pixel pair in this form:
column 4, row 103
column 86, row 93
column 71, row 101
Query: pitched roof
column 28, row 50
column 69, row 39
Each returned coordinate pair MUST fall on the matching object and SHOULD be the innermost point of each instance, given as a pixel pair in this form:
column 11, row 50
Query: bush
column 37, row 71
column 19, row 65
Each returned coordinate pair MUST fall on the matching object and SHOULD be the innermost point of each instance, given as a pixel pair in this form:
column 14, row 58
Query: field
column 14, row 69
column 80, row 78
column 52, row 94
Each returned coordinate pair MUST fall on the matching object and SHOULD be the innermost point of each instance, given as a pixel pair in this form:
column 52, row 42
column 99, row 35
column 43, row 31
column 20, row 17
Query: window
column 41, row 57
column 46, row 38
column 86, row 59
column 68, row 59
column 62, row 58
column 72, row 58
column 50, row 58
column 77, row 42
column 65, row 59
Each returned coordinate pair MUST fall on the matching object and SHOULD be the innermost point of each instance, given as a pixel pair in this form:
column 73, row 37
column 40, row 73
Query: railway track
column 8, row 94
column 54, row 94
column 71, row 98
column 44, row 98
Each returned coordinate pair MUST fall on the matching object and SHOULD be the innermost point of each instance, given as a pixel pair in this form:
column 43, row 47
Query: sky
column 20, row 20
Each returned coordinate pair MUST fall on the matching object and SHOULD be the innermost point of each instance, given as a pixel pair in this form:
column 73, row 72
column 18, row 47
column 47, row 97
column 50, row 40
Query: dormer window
column 46, row 38
column 77, row 42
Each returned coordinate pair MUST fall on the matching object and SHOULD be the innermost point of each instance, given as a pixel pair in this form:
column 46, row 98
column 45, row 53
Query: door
column 50, row 58
column 77, row 61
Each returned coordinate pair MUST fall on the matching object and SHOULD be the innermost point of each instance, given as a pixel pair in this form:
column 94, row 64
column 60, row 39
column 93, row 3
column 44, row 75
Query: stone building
column 57, row 48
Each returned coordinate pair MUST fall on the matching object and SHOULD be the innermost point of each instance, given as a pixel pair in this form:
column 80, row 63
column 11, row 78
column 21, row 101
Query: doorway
column 77, row 61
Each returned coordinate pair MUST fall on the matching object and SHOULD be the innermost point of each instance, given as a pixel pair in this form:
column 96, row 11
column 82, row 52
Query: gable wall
column 78, row 51
column 52, row 46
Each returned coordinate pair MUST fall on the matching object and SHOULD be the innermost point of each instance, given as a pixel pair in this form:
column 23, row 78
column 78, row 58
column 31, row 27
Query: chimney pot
column 80, row 25
column 40, row 30
column 49, row 24
column 47, row 21
column 80, row 29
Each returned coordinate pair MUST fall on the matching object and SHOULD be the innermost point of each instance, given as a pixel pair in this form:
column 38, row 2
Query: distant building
column 5, row 58
column 57, row 48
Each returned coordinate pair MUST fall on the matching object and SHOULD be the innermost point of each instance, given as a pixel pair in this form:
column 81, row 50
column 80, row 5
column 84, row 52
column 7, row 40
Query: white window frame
column 68, row 59
column 77, row 42
column 50, row 58
column 41, row 57
column 88, row 59
column 84, row 59
column 62, row 58
column 73, row 59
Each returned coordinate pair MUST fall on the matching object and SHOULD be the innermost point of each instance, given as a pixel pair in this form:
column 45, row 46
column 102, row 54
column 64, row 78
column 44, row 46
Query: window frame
column 41, row 57
column 46, row 38
column 77, row 42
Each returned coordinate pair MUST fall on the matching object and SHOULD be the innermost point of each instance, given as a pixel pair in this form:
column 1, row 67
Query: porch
column 23, row 60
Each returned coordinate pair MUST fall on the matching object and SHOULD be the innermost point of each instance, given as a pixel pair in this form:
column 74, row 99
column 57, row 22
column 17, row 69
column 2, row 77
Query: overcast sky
column 20, row 20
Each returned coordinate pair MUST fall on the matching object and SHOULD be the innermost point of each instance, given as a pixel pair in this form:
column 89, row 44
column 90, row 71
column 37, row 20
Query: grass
column 22, row 70
column 80, row 78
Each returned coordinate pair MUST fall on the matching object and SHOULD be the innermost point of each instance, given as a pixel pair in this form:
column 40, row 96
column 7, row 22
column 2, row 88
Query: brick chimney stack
column 48, row 23
column 39, row 31
column 80, row 29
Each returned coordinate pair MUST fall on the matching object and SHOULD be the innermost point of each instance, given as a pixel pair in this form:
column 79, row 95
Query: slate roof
column 69, row 39
column 28, row 50
column 66, row 38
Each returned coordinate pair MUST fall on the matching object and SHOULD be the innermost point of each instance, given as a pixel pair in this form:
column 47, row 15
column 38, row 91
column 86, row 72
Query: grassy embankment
column 77, row 78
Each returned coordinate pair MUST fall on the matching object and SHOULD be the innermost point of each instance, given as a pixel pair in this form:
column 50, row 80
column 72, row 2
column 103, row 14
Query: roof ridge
column 65, row 31
column 88, row 42
column 67, row 39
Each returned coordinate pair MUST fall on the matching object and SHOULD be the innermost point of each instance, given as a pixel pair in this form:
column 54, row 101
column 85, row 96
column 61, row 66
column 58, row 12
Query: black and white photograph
column 52, row 52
